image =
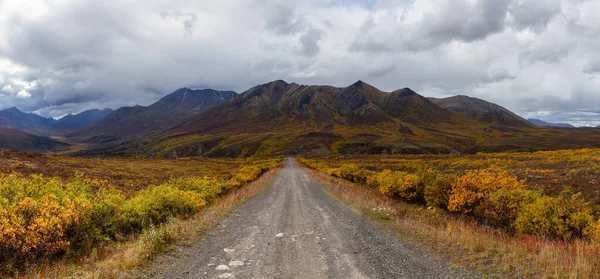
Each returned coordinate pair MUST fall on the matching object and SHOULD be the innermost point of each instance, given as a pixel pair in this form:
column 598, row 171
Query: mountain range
column 548, row 124
column 280, row 118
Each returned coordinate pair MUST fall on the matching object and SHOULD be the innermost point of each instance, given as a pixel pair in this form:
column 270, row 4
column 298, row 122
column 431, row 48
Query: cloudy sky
column 539, row 58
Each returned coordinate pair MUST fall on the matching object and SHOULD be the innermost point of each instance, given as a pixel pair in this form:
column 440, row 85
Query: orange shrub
column 32, row 229
column 470, row 189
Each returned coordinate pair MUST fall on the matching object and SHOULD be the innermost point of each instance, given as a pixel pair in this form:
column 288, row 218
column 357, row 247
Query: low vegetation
column 541, row 200
column 49, row 217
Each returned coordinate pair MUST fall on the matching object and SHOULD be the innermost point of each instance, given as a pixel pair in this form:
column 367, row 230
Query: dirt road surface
column 295, row 229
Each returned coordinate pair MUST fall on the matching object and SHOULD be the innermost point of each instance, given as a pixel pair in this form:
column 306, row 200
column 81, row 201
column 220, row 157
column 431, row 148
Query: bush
column 208, row 188
column 469, row 190
column 34, row 229
column 426, row 178
column 438, row 194
column 396, row 184
column 560, row 217
column 155, row 204
column 501, row 207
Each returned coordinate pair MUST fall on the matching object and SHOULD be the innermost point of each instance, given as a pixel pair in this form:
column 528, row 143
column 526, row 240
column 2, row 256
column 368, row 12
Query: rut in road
column 294, row 229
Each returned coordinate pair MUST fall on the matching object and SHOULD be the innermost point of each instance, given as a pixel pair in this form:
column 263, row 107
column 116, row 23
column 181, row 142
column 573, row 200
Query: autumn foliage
column 482, row 189
column 44, row 217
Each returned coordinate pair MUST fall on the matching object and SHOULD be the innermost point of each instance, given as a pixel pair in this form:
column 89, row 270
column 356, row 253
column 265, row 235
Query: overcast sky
column 539, row 58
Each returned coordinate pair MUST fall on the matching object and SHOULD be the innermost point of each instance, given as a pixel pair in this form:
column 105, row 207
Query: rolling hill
column 24, row 141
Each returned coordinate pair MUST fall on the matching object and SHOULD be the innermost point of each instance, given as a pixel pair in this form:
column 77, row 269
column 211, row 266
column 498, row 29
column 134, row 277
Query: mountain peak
column 405, row 92
column 12, row 109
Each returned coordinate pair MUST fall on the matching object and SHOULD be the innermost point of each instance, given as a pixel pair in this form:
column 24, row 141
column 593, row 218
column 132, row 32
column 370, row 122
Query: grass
column 117, row 259
column 467, row 242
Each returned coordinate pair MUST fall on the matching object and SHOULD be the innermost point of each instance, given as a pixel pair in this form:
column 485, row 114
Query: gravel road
column 294, row 229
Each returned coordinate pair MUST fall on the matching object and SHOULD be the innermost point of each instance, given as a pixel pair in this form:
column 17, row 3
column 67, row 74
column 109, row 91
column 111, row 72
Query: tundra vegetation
column 55, row 207
column 543, row 208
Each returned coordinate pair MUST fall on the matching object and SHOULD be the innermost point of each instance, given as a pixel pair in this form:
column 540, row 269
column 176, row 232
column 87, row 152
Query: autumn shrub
column 396, row 184
column 501, row 207
column 470, row 189
column 564, row 217
column 36, row 217
column 155, row 204
column 427, row 178
column 438, row 194
column 208, row 188
column 594, row 231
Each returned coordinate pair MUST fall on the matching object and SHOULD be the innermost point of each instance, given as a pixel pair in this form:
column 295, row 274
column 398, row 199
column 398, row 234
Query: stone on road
column 295, row 229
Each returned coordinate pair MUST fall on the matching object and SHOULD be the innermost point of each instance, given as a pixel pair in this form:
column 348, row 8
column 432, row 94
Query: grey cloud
column 282, row 18
column 534, row 14
column 497, row 75
column 309, row 42
column 188, row 19
column 91, row 53
column 442, row 22
column 592, row 67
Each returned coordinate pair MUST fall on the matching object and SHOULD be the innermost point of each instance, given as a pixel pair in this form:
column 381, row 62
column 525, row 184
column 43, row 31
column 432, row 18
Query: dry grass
column 116, row 259
column 467, row 243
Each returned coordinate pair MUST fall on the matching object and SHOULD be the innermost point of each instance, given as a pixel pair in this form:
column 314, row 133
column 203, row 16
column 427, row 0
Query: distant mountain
column 82, row 119
column 24, row 141
column 539, row 122
column 33, row 123
column 480, row 109
column 16, row 119
column 137, row 120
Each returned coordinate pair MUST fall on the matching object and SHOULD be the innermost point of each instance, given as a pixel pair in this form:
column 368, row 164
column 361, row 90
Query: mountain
column 288, row 118
column 18, row 120
column 480, row 109
column 82, row 119
column 24, row 141
column 140, row 120
column 280, row 118
column 539, row 122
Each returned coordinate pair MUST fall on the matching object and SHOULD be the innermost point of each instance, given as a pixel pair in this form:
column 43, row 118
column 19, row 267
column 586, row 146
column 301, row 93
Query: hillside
column 82, row 119
column 139, row 120
column 30, row 122
column 480, row 109
column 24, row 141
column 288, row 118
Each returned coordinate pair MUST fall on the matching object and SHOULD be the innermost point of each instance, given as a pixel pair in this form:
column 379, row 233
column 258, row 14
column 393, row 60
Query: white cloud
column 23, row 94
column 528, row 55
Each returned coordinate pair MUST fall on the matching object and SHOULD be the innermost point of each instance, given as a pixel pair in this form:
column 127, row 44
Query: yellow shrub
column 397, row 184
column 566, row 217
column 501, row 207
column 470, row 189
column 438, row 194
column 33, row 229
column 155, row 204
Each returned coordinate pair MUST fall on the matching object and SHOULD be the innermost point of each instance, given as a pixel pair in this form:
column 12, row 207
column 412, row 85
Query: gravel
column 294, row 229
